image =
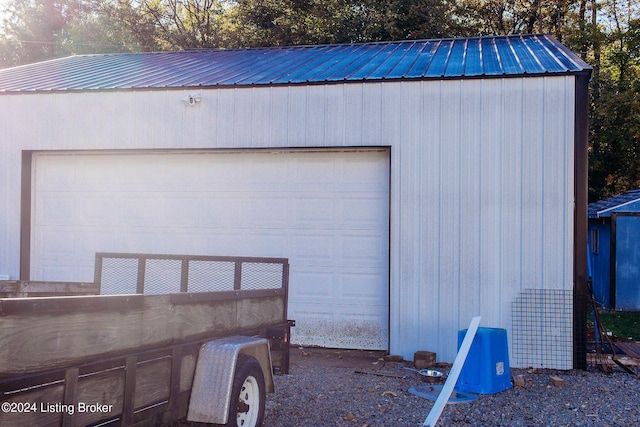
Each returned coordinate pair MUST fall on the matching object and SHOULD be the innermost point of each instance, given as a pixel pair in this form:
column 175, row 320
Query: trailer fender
column 214, row 375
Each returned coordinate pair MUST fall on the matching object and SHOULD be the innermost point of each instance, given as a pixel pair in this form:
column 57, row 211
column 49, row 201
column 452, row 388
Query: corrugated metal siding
column 423, row 59
column 481, row 175
column 10, row 198
column 494, row 211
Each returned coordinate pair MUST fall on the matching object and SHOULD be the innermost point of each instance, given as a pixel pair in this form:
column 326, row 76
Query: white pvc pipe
column 447, row 389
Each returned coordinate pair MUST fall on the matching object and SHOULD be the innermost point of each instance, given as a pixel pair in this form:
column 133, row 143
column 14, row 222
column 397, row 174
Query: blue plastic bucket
column 486, row 369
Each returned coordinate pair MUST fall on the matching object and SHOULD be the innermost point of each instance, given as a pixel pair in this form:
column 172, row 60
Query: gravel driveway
column 325, row 388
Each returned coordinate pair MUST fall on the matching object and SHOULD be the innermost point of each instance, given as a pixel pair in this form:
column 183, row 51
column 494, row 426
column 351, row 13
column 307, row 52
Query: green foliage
column 623, row 325
column 488, row 17
column 295, row 22
column 37, row 29
column 292, row 22
column 615, row 115
column 168, row 24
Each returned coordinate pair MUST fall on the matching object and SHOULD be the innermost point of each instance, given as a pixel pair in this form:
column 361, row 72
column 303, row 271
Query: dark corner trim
column 580, row 219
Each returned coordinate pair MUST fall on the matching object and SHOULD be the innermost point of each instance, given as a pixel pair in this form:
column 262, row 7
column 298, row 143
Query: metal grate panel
column 119, row 276
column 169, row 274
column 261, row 275
column 542, row 329
column 162, row 276
column 207, row 276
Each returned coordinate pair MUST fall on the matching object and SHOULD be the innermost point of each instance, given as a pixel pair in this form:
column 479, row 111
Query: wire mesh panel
column 542, row 329
column 162, row 276
column 261, row 275
column 208, row 276
column 119, row 276
column 169, row 274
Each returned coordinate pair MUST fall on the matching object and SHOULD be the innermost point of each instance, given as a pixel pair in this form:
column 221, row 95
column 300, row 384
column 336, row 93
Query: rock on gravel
column 324, row 388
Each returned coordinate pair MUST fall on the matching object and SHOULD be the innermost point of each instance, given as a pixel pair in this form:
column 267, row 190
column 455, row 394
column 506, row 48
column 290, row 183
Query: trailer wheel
column 248, row 394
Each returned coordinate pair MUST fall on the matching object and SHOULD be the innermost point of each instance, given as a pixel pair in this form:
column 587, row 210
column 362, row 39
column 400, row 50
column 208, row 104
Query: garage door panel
column 140, row 239
column 214, row 241
column 317, row 211
column 54, row 176
column 175, row 209
column 265, row 242
column 363, row 248
column 341, row 285
column 363, row 288
column 352, row 327
column 317, row 285
column 267, row 172
column 269, row 210
column 226, row 174
column 222, row 209
column 111, row 239
column 315, row 325
column 363, row 210
column 315, row 174
column 339, row 327
column 98, row 210
column 359, row 173
column 136, row 208
column 52, row 209
column 56, row 243
column 315, row 248
column 327, row 211
column 58, row 249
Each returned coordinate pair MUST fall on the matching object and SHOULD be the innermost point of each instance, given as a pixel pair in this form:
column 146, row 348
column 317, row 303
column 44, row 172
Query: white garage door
column 327, row 211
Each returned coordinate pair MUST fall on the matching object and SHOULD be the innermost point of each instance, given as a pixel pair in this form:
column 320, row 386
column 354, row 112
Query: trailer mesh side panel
column 119, row 276
column 261, row 276
column 168, row 274
column 162, row 276
column 207, row 276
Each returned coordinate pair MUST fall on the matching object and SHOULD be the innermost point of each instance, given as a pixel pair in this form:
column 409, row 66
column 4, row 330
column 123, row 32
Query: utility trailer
column 154, row 340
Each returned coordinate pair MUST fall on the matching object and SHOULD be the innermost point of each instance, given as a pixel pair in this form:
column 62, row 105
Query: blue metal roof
column 417, row 59
column 619, row 203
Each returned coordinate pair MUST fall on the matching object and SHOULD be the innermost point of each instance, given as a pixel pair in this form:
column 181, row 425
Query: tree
column 615, row 118
column 298, row 22
column 295, row 22
column 35, row 29
column 421, row 19
column 496, row 17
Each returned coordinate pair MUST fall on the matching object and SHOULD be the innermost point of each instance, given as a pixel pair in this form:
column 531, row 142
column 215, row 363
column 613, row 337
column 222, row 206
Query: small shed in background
column 413, row 185
column 614, row 251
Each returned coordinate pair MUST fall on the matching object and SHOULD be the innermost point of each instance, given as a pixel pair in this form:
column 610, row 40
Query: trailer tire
column 248, row 394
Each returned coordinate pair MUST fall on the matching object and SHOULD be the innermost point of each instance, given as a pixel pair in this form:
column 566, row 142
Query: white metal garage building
column 412, row 185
